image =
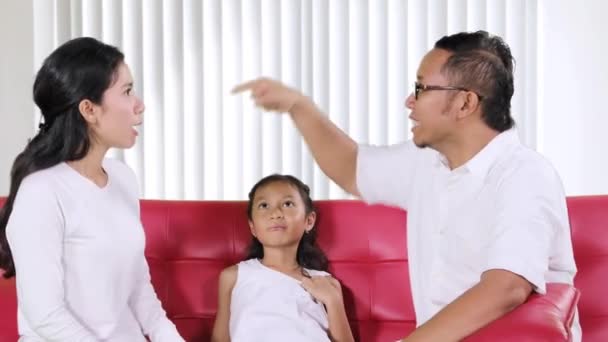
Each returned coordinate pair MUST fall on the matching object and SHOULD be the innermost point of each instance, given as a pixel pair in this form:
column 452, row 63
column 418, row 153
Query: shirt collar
column 481, row 163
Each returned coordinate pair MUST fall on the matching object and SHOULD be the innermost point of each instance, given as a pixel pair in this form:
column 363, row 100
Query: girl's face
column 112, row 123
column 278, row 215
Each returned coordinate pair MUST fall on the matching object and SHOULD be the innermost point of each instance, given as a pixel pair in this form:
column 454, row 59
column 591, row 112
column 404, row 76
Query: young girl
column 70, row 228
column 281, row 292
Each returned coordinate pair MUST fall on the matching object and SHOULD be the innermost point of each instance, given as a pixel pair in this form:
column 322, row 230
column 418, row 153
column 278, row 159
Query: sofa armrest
column 541, row 318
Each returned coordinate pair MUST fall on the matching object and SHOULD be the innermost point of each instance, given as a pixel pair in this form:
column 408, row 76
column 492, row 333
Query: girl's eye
column 128, row 91
column 262, row 205
column 289, row 204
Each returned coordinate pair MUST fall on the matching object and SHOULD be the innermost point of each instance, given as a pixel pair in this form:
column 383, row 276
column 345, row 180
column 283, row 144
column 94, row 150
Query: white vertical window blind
column 357, row 59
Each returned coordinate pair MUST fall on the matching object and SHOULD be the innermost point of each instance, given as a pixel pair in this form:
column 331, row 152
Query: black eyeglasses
column 419, row 87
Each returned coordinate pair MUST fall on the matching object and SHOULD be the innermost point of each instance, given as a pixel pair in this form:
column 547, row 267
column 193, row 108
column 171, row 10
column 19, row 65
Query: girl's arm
column 328, row 291
column 339, row 329
column 221, row 332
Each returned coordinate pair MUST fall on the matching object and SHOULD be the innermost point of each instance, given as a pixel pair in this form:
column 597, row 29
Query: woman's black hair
column 82, row 68
column 309, row 255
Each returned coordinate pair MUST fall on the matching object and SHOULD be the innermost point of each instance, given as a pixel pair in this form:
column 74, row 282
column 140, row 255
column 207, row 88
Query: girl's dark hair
column 82, row 68
column 309, row 255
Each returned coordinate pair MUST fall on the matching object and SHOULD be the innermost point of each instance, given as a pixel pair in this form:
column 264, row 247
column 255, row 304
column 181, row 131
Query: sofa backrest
column 589, row 224
column 189, row 243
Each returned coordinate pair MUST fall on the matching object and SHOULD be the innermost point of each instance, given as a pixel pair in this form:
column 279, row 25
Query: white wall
column 572, row 123
column 574, row 120
column 16, row 77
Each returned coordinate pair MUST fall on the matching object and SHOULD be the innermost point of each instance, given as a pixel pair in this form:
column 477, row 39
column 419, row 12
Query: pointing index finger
column 243, row 87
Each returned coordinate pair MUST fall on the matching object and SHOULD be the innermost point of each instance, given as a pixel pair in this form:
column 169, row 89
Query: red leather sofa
column 188, row 243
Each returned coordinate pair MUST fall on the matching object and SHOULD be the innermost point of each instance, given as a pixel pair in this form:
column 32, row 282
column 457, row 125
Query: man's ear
column 88, row 110
column 468, row 103
column 251, row 228
column 310, row 221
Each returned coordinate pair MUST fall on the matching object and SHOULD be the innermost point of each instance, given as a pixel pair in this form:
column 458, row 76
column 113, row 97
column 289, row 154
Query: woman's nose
column 140, row 107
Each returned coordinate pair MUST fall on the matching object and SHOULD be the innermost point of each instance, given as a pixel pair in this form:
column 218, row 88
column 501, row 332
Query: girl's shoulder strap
column 315, row 273
column 248, row 265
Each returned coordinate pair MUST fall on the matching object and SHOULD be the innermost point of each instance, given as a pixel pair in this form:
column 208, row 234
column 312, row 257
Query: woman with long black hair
column 70, row 229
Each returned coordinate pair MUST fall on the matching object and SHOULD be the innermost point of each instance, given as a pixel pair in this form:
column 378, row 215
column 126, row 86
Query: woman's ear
column 88, row 110
column 310, row 221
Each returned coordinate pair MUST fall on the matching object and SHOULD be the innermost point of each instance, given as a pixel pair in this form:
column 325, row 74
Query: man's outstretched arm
column 333, row 150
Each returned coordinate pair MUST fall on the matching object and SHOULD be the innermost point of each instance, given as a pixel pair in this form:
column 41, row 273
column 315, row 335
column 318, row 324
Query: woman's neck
column 91, row 166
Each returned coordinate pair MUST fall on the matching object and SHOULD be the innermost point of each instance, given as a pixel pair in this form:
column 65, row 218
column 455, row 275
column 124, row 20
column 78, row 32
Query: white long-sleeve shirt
column 79, row 257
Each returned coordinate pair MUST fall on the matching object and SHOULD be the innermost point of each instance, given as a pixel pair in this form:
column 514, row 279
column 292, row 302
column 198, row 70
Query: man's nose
column 410, row 101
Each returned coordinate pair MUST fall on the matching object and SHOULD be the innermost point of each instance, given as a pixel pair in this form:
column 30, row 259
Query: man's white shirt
column 503, row 209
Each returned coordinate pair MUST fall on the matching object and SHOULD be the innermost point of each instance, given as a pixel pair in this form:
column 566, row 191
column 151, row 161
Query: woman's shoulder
column 118, row 168
column 122, row 175
column 43, row 180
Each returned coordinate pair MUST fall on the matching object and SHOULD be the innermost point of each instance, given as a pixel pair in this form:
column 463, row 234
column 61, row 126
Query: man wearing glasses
column 474, row 194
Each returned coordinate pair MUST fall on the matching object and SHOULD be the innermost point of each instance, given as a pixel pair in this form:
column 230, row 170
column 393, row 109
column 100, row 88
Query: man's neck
column 467, row 144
